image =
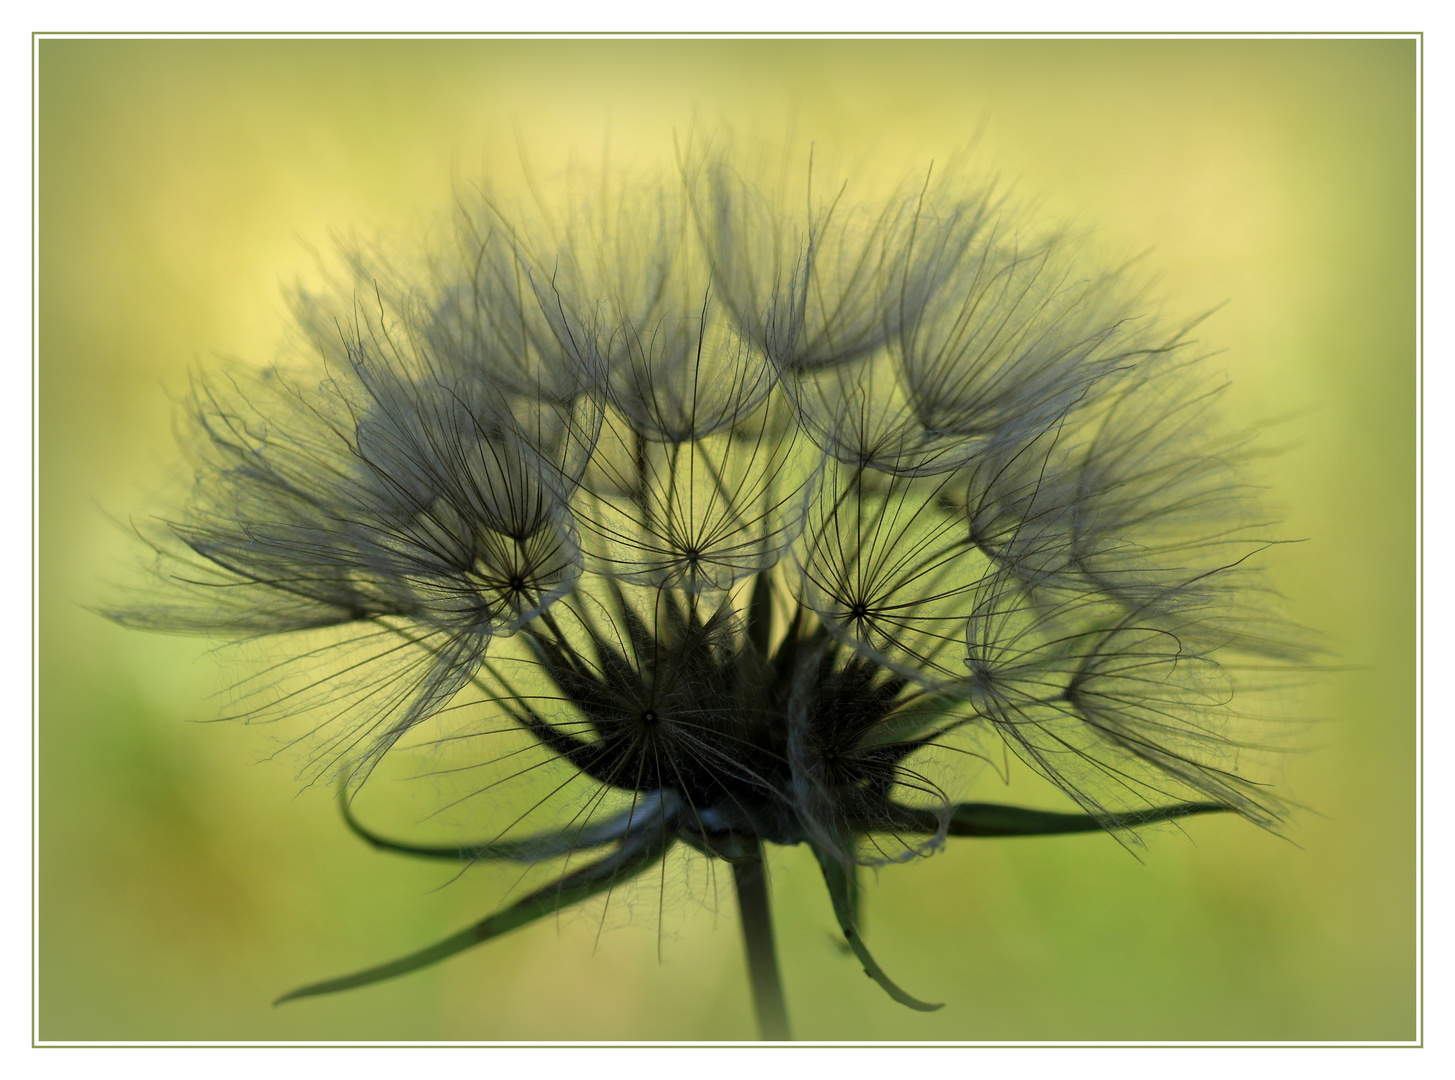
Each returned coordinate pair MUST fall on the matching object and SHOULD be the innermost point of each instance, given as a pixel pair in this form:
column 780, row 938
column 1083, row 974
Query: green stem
column 751, row 879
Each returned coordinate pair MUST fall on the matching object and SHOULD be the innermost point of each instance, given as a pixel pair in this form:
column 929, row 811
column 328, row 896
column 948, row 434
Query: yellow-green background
column 183, row 884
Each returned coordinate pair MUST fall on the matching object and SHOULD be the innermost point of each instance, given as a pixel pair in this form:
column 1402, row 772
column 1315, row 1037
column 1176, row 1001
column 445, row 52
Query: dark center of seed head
column 649, row 716
column 858, row 611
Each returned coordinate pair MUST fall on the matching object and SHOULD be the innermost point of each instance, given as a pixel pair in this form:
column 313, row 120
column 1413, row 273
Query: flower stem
column 751, row 879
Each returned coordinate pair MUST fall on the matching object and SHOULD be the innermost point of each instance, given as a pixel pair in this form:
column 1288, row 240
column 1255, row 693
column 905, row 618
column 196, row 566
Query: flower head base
column 734, row 516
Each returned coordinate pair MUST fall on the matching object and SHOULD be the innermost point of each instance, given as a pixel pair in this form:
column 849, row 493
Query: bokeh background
column 185, row 881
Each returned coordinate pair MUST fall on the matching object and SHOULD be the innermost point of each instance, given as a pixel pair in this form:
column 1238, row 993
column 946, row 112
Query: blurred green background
column 185, row 882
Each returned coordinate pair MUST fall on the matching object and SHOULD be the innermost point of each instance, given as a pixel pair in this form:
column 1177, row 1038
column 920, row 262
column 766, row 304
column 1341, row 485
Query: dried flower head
column 729, row 512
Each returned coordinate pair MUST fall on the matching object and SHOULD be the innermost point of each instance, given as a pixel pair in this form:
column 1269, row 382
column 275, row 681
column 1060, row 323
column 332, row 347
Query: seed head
column 745, row 513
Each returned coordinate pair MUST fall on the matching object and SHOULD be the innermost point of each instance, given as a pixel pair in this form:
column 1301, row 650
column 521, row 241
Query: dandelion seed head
column 726, row 503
